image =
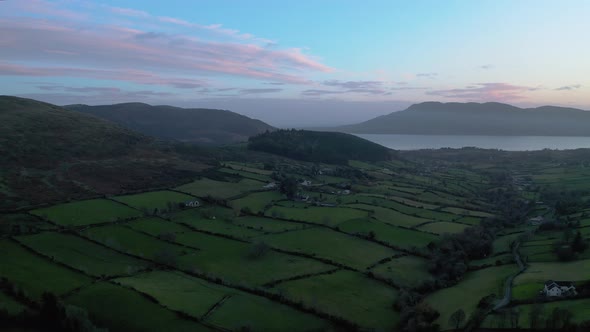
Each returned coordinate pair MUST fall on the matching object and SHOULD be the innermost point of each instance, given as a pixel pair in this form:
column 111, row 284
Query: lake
column 508, row 143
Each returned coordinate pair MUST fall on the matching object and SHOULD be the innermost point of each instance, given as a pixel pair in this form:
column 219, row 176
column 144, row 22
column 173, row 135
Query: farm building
column 192, row 204
column 559, row 289
column 538, row 220
column 270, row 185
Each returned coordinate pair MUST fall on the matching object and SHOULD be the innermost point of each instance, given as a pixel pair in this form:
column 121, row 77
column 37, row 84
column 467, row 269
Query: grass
column 178, row 291
column 223, row 226
column 121, row 309
column 220, row 189
column 256, row 202
column 442, row 227
column 160, row 200
column 11, row 306
column 231, row 260
column 406, row 271
column 566, row 271
column 324, row 243
column 256, row 313
column 527, row 291
column 88, row 212
column 466, row 212
column 330, row 216
column 396, row 236
column 391, row 216
column 349, row 295
column 127, row 240
column 24, row 268
column 156, row 226
column 267, row 225
column 468, row 292
column 81, row 254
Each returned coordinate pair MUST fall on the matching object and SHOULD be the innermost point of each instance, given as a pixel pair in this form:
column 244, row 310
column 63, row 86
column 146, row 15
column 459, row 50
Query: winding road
column 508, row 285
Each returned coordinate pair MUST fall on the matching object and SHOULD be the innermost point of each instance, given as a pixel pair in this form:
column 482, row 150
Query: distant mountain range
column 198, row 125
column 494, row 119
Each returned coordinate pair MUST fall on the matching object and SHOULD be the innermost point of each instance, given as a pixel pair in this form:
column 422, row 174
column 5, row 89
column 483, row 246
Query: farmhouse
column 270, row 185
column 306, row 183
column 538, row 220
column 559, row 289
column 192, row 204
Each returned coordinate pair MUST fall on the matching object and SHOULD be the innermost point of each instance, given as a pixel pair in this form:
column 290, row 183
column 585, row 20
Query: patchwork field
column 155, row 200
column 207, row 187
column 86, row 212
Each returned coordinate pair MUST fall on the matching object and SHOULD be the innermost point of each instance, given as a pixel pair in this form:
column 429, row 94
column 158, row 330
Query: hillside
column 317, row 146
column 198, row 125
column 49, row 154
column 494, row 119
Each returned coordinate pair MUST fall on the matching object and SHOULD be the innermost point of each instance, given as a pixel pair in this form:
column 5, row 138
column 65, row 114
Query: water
column 508, row 143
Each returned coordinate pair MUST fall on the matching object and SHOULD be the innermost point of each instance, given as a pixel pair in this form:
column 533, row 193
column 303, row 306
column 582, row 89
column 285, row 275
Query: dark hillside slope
column 494, row 119
column 199, row 125
column 316, row 146
column 50, row 154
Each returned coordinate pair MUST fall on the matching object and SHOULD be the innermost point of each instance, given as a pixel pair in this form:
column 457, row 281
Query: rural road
column 508, row 285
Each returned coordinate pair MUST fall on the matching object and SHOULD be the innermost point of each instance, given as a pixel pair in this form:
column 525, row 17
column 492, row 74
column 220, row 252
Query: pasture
column 150, row 201
column 88, row 212
column 329, row 216
column 220, row 189
column 406, row 271
column 395, row 236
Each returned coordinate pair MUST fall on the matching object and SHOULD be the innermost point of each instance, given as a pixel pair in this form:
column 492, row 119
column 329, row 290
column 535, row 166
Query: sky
column 297, row 63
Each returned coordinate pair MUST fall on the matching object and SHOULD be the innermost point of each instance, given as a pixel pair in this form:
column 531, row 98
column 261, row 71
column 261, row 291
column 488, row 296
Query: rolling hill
column 318, row 146
column 50, row 154
column 494, row 119
column 198, row 125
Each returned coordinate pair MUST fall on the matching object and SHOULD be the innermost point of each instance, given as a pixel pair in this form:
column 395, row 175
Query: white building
column 559, row 289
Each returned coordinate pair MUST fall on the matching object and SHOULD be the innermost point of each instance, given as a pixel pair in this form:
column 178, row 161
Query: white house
column 192, row 204
column 559, row 289
column 271, row 185
column 538, row 220
column 306, row 183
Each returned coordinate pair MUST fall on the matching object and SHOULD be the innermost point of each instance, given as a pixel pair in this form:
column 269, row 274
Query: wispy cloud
column 488, row 66
column 257, row 91
column 485, row 92
column 569, row 87
column 354, row 84
column 427, row 75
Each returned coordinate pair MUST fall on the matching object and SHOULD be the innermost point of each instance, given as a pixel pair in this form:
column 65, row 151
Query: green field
column 321, row 242
column 225, row 226
column 10, row 305
column 469, row 291
column 150, row 201
column 127, row 240
column 349, row 295
column 254, row 313
column 23, row 268
column 256, row 202
column 86, row 212
column 231, row 260
column 122, row 309
column 82, row 254
column 442, row 227
column 178, row 291
column 156, row 226
column 391, row 216
column 396, row 236
column 567, row 271
column 207, row 187
column 330, row 216
column 406, row 271
column 268, row 225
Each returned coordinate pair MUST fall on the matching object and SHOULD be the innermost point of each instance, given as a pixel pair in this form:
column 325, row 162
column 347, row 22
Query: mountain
column 316, row 146
column 198, row 125
column 50, row 154
column 494, row 119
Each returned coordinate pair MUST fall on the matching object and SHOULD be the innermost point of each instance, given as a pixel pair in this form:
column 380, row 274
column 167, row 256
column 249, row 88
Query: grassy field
column 399, row 237
column 81, row 254
column 567, row 271
column 267, row 224
column 254, row 313
column 224, row 226
column 156, row 226
column 330, row 216
column 121, row 309
column 469, row 291
column 406, row 271
column 442, row 227
column 23, row 268
column 391, row 216
column 178, row 291
column 10, row 305
column 347, row 294
column 322, row 242
column 233, row 261
column 580, row 310
column 86, row 212
column 256, row 202
column 127, row 240
column 220, row 189
column 160, row 200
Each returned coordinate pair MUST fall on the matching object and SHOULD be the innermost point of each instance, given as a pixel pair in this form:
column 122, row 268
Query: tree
column 289, row 187
column 535, row 315
column 457, row 318
column 579, row 244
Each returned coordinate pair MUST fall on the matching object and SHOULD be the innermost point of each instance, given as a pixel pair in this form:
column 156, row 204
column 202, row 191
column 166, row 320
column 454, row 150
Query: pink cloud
column 27, row 40
column 485, row 92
